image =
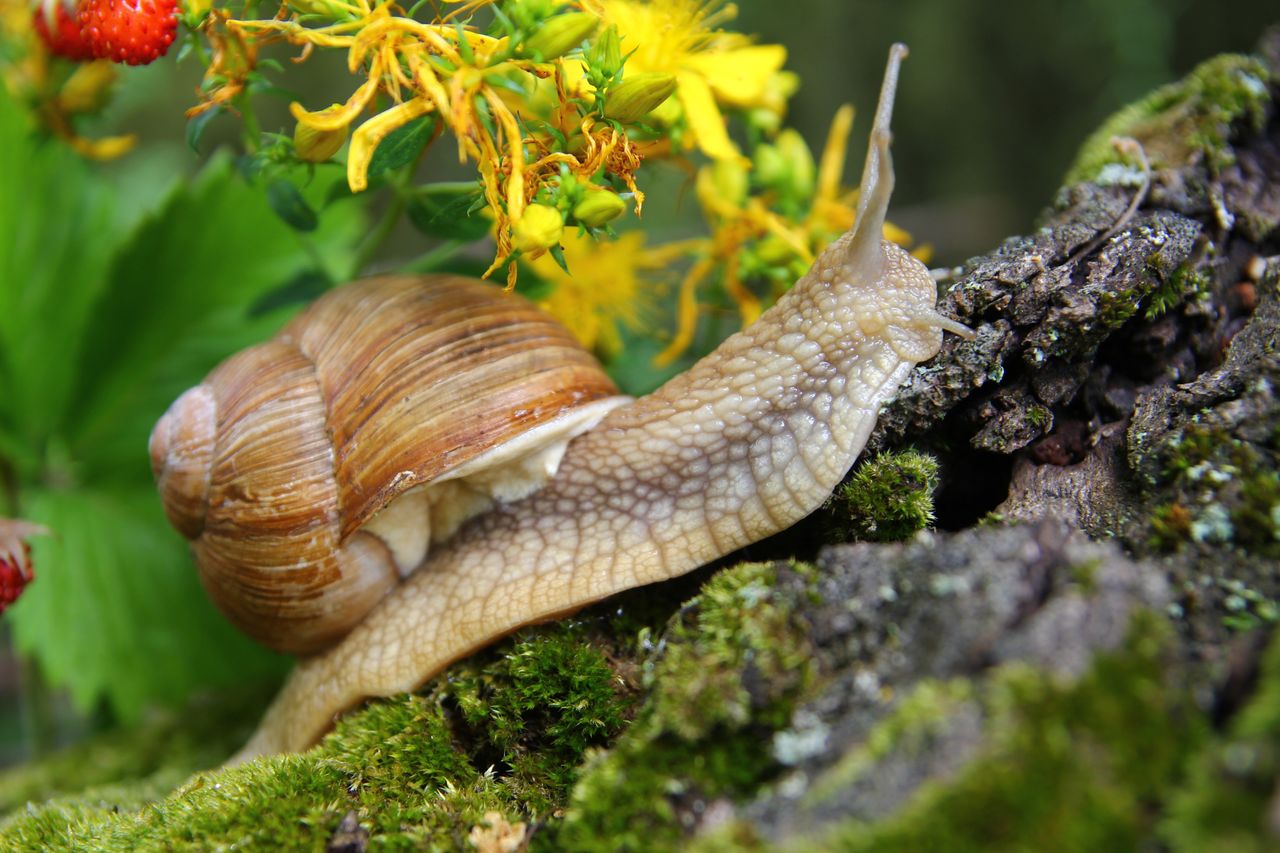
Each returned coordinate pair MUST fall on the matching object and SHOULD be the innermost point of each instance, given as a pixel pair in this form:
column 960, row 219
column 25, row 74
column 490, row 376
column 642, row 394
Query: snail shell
column 312, row 472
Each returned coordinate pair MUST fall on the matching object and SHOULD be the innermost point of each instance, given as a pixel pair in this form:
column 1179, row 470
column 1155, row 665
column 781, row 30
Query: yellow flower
column 603, row 289
column 316, row 146
column 538, row 229
column 712, row 67
column 598, row 208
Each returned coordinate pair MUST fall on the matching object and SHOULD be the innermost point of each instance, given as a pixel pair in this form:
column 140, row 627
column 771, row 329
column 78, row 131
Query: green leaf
column 401, row 146
column 290, row 206
column 116, row 608
column 60, row 226
column 198, row 125
column 444, row 210
column 557, row 255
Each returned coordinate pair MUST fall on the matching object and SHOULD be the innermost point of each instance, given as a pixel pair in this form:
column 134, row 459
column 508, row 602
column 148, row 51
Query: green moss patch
column 733, row 667
column 1178, row 123
column 887, row 499
column 1223, row 491
column 1229, row 802
column 151, row 758
column 503, row 732
column 504, row 738
column 1066, row 766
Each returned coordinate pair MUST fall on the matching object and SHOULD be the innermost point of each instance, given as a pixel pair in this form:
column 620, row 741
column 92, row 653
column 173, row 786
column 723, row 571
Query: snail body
column 745, row 443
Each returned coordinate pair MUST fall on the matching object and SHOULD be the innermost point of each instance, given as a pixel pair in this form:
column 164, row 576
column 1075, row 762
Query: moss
column 537, row 710
column 158, row 755
column 1224, row 491
column 1066, row 766
column 1186, row 283
column 732, row 669
column 501, row 733
column 1182, row 121
column 1085, row 575
column 888, row 498
column 1229, row 800
column 1170, row 527
column 914, row 720
column 1246, row 607
column 1040, row 417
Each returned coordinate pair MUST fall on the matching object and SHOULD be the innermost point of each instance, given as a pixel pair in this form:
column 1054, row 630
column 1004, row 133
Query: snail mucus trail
column 745, row 443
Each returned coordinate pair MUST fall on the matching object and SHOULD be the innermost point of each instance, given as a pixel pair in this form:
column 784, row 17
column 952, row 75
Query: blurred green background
column 994, row 100
column 996, row 95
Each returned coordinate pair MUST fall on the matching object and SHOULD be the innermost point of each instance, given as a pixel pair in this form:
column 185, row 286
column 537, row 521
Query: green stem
column 37, row 708
column 374, row 240
column 252, row 130
column 201, row 53
column 400, row 181
column 431, row 260
column 8, row 489
column 317, row 260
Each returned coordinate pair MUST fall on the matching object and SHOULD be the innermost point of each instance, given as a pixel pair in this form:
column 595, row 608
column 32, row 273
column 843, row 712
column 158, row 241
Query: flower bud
column 786, row 166
column 795, row 152
column 195, row 10
column 775, row 251
column 638, row 95
column 539, row 228
column 599, row 207
column 88, row 87
column 561, row 34
column 769, row 165
column 605, row 55
column 314, row 145
column 729, row 179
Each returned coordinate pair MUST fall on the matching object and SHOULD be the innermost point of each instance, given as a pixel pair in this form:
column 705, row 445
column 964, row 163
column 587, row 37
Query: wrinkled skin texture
column 747, row 442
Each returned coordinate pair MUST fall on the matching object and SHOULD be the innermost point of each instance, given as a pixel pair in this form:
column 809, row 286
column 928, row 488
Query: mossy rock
column 503, row 733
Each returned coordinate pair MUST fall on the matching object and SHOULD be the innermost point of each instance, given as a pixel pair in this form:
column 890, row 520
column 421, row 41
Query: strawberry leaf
column 60, row 230
column 116, row 609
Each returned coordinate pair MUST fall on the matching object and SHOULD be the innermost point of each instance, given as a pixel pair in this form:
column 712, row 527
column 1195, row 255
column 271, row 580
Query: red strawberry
column 137, row 32
column 15, row 574
column 15, row 559
column 66, row 39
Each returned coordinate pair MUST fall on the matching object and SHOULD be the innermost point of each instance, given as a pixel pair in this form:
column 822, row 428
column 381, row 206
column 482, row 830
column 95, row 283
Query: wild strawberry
column 66, row 38
column 15, row 559
column 15, row 574
column 136, row 32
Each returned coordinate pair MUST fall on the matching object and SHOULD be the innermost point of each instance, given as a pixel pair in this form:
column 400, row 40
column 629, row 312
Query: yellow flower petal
column 704, row 117
column 331, row 119
column 739, row 77
column 831, row 168
column 106, row 148
column 894, row 234
column 367, row 137
column 602, row 290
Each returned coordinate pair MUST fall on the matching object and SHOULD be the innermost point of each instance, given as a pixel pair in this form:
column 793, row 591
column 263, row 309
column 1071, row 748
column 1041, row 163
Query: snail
column 592, row 493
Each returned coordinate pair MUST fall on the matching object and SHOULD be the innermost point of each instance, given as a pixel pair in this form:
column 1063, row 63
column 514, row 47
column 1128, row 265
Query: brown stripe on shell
column 270, row 548
column 420, row 375
column 181, row 449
